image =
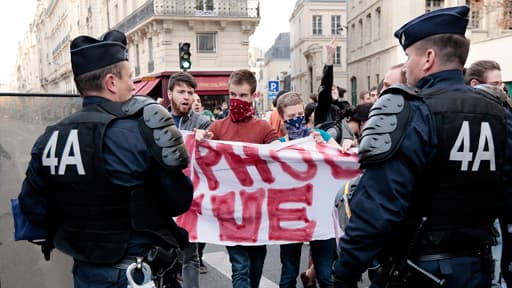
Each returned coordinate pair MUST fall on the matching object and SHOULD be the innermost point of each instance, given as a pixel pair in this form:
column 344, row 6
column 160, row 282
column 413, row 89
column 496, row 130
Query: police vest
column 96, row 215
column 458, row 189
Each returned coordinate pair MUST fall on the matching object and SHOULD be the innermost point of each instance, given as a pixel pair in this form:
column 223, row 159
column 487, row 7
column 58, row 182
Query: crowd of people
column 433, row 138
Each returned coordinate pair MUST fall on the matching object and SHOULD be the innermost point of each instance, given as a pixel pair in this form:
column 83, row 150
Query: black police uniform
column 107, row 180
column 453, row 188
column 435, row 160
column 95, row 180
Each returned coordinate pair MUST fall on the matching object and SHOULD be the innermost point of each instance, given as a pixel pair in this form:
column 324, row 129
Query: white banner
column 253, row 194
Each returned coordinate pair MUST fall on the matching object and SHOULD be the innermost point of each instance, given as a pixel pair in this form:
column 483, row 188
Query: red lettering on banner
column 337, row 171
column 189, row 145
column 223, row 207
column 239, row 165
column 306, row 175
column 188, row 220
column 277, row 215
column 206, row 162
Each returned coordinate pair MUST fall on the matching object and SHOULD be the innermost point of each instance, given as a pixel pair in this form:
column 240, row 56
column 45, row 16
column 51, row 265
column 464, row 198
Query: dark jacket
column 112, row 198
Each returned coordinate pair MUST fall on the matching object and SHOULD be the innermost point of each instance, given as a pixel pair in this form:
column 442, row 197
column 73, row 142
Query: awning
column 145, row 87
column 139, row 86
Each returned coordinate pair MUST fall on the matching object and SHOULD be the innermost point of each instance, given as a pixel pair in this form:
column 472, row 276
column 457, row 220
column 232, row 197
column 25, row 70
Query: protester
column 181, row 98
column 275, row 120
column 395, row 75
column 291, row 109
column 484, row 72
column 353, row 122
column 225, row 110
column 197, row 106
column 84, row 177
column 217, row 112
column 330, row 105
column 428, row 153
column 374, row 94
column 242, row 126
column 489, row 72
column 365, row 97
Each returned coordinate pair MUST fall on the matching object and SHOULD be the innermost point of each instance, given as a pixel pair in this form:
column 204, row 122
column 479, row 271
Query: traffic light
column 184, row 50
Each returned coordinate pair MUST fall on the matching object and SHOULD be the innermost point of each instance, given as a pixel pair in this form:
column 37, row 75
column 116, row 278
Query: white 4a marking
column 466, row 156
column 72, row 144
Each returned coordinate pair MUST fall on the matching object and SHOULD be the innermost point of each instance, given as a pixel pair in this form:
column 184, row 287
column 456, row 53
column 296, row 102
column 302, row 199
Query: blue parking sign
column 273, row 89
column 273, row 86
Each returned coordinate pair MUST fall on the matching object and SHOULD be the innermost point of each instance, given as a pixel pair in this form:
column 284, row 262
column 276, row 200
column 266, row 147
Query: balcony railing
column 138, row 16
column 185, row 8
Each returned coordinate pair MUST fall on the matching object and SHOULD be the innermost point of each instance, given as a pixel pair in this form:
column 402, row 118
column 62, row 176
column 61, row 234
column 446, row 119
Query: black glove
column 338, row 283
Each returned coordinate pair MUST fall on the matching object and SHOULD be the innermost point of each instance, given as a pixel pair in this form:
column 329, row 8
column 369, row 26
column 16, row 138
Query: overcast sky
column 16, row 17
column 14, row 22
column 274, row 20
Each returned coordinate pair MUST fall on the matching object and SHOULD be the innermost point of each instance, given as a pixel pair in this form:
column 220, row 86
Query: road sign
column 273, row 89
column 273, row 86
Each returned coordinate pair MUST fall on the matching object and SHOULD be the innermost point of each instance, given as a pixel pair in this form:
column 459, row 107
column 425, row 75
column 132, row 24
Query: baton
column 438, row 281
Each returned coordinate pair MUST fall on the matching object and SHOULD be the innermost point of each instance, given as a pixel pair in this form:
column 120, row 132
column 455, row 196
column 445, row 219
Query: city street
column 22, row 263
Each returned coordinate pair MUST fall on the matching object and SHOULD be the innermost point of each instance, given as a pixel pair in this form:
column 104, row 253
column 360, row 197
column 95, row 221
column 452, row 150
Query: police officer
column 435, row 160
column 107, row 180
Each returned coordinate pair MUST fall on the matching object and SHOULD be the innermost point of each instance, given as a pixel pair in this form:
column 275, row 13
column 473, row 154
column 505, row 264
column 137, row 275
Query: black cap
column 452, row 20
column 89, row 54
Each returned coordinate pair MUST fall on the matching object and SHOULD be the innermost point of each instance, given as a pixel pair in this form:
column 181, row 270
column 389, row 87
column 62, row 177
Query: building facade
column 276, row 66
column 256, row 63
column 218, row 32
column 313, row 24
column 55, row 23
column 26, row 73
column 372, row 49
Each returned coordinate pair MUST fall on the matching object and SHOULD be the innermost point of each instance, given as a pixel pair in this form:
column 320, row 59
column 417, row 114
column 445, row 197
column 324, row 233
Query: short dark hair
column 274, row 102
column 341, row 91
column 362, row 93
column 449, row 48
column 308, row 111
column 93, row 81
column 359, row 113
column 478, row 69
column 182, row 77
column 314, row 97
column 243, row 76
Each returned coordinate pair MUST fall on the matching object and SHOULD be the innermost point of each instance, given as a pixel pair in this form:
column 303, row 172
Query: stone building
column 218, row 32
column 313, row 24
column 276, row 67
column 372, row 49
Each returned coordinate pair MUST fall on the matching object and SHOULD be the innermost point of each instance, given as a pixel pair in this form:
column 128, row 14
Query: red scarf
column 239, row 109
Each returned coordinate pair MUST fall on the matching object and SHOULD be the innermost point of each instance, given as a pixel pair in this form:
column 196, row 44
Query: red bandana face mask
column 239, row 109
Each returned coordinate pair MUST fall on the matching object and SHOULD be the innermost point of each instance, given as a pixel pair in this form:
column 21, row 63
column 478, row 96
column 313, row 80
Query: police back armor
column 461, row 184
column 97, row 216
column 457, row 190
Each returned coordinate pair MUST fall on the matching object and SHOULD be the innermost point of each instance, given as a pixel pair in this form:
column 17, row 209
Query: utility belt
column 441, row 255
column 400, row 268
column 402, row 273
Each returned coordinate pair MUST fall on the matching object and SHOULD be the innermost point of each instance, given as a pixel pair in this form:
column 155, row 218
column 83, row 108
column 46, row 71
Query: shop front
column 212, row 86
